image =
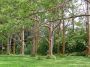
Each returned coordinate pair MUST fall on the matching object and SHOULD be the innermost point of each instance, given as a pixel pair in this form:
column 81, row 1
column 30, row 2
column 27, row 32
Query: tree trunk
column 88, row 27
column 2, row 47
column 8, row 45
column 33, row 47
column 35, row 39
column 63, row 38
column 22, row 41
column 13, row 46
column 72, row 15
column 37, row 36
column 51, row 40
column 58, row 45
column 73, row 24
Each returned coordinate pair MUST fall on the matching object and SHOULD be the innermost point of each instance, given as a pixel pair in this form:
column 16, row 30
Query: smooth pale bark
column 63, row 38
column 22, row 41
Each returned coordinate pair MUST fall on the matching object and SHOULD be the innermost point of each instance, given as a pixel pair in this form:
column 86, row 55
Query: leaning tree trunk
column 22, row 41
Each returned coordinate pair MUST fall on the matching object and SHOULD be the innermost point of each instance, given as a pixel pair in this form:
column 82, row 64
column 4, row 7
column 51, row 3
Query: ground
column 27, row 61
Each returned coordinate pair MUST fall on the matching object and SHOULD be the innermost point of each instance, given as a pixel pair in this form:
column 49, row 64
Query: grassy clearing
column 27, row 61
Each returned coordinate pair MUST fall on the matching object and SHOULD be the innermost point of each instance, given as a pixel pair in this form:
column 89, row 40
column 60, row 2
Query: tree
column 88, row 28
column 22, row 41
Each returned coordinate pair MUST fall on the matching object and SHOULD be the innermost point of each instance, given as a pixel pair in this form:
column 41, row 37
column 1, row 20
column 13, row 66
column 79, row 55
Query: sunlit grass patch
column 28, row 61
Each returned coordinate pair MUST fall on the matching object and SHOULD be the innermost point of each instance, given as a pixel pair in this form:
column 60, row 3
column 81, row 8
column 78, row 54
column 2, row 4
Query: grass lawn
column 27, row 61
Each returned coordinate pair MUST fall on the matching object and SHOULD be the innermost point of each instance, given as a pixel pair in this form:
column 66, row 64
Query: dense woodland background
column 45, row 27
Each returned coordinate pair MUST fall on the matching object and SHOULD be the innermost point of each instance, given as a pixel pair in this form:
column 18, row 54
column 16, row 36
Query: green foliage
column 43, row 47
column 76, row 42
column 28, row 48
column 14, row 14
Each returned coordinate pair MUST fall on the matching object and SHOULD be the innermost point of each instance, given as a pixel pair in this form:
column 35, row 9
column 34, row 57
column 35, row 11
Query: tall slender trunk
column 88, row 27
column 33, row 47
column 37, row 36
column 63, row 33
column 2, row 47
column 8, row 45
column 22, row 41
column 51, row 40
column 13, row 49
column 63, row 38
column 72, row 15
column 35, row 39
column 73, row 24
column 58, row 45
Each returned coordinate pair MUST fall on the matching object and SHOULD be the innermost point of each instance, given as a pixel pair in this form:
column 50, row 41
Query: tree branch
column 69, row 17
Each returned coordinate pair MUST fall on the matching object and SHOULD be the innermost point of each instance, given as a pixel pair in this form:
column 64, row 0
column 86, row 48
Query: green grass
column 27, row 61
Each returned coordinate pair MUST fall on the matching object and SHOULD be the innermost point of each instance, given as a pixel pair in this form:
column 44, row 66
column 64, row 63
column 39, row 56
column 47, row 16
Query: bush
column 43, row 47
column 76, row 42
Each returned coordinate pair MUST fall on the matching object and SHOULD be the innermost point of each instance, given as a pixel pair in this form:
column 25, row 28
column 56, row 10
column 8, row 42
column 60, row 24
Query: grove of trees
column 45, row 27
